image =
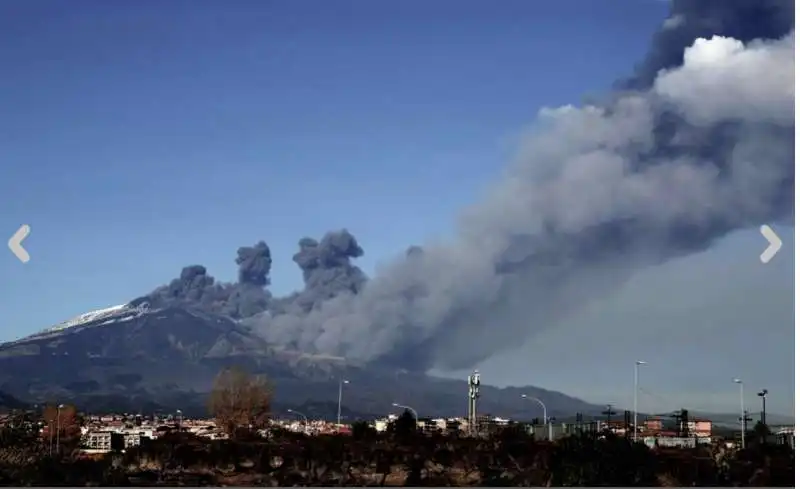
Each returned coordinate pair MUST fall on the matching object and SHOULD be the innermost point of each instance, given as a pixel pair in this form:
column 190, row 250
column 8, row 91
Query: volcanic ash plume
column 195, row 287
column 327, row 273
column 685, row 155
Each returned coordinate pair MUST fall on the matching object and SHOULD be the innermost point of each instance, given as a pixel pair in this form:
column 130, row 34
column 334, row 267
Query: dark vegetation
column 399, row 457
column 257, row 454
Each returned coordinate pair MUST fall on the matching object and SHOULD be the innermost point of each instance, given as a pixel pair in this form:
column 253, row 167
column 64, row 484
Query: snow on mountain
column 88, row 317
column 100, row 317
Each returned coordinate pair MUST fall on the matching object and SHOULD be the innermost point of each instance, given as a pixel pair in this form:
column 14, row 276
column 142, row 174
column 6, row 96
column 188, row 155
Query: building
column 784, row 435
column 103, row 440
column 671, row 441
column 700, row 428
column 695, row 427
column 654, row 423
column 99, row 440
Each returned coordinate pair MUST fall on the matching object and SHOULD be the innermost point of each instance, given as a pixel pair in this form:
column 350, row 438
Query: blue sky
column 140, row 136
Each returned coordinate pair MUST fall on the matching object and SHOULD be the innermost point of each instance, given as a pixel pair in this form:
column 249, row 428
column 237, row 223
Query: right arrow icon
column 774, row 241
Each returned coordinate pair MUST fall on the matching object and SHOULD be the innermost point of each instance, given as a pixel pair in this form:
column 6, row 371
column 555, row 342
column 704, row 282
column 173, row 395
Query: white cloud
column 723, row 79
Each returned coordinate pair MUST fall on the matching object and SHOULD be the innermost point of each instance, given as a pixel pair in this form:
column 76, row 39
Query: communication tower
column 474, row 382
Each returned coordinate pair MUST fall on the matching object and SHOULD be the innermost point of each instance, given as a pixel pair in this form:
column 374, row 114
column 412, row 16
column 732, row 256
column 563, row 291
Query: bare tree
column 240, row 401
column 62, row 430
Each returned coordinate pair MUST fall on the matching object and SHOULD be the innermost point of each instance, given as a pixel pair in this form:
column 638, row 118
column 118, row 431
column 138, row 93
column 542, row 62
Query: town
column 109, row 432
column 244, row 442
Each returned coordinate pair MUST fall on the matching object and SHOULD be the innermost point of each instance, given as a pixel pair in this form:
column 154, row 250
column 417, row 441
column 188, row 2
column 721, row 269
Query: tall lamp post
column 58, row 427
column 636, row 366
column 50, row 430
column 546, row 419
column 412, row 410
column 741, row 406
column 763, row 396
column 180, row 419
column 339, row 409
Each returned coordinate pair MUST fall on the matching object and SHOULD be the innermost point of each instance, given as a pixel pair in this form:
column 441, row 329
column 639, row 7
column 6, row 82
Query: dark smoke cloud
column 196, row 288
column 745, row 20
column 700, row 142
column 413, row 251
column 254, row 264
column 327, row 271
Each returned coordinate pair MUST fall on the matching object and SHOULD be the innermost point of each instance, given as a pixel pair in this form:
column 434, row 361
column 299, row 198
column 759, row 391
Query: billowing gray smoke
column 698, row 143
column 327, row 272
column 254, row 264
column 195, row 287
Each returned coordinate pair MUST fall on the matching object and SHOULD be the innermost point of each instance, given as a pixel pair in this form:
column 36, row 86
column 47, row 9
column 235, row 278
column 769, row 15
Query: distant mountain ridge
column 9, row 402
column 134, row 356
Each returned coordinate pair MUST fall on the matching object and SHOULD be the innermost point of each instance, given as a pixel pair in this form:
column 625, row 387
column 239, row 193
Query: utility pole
column 681, row 422
column 763, row 396
column 609, row 412
column 745, row 420
column 626, row 420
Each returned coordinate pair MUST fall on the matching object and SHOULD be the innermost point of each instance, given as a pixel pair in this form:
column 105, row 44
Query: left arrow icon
column 15, row 243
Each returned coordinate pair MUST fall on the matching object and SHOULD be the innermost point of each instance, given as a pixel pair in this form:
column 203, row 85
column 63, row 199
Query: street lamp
column 50, row 430
column 180, row 419
column 305, row 419
column 413, row 411
column 636, row 398
column 741, row 405
column 58, row 426
column 339, row 410
column 763, row 396
column 546, row 419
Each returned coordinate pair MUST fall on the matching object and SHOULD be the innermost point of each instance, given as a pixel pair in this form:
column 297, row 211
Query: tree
column 404, row 428
column 20, row 429
column 62, row 427
column 761, row 433
column 240, row 402
column 361, row 430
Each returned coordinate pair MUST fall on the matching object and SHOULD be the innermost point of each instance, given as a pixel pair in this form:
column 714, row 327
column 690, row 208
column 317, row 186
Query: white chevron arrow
column 774, row 241
column 15, row 243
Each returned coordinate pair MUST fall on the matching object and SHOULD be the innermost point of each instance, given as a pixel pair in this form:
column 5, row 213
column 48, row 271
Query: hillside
column 129, row 358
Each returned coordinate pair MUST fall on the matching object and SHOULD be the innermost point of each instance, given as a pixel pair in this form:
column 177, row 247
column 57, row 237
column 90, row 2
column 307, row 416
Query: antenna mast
column 474, row 382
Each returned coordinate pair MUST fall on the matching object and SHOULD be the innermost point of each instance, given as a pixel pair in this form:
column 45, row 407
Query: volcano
column 135, row 358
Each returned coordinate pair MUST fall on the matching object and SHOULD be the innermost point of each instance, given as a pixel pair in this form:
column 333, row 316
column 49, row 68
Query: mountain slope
column 9, row 402
column 129, row 357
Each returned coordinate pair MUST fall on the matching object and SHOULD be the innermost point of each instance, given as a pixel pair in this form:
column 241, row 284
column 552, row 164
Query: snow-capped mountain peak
column 88, row 317
column 100, row 317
